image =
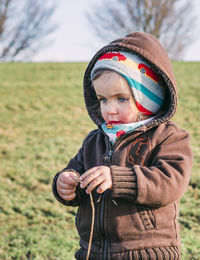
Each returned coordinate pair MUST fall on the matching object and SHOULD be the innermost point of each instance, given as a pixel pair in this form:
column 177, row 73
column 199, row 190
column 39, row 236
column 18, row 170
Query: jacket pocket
column 127, row 220
column 166, row 217
column 147, row 217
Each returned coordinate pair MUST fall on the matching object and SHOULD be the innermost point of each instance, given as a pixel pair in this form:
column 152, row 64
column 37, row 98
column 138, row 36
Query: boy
column 137, row 163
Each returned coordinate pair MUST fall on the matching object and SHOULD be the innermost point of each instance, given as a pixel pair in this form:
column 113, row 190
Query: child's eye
column 122, row 99
column 103, row 100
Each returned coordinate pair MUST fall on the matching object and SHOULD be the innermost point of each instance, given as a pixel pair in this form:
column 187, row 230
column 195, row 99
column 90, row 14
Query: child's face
column 116, row 100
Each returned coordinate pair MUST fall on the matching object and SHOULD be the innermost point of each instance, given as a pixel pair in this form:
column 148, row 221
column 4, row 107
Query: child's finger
column 88, row 172
column 66, row 192
column 93, row 175
column 67, row 181
column 69, row 178
column 94, row 183
column 60, row 185
column 104, row 186
column 69, row 197
column 66, row 186
column 75, row 176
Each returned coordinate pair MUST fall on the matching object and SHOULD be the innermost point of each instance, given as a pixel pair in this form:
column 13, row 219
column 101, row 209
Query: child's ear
column 139, row 116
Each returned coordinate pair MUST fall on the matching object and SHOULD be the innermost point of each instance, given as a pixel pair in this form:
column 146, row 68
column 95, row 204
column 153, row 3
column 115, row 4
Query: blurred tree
column 171, row 21
column 23, row 25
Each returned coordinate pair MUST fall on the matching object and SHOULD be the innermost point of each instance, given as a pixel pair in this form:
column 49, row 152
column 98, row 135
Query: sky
column 73, row 39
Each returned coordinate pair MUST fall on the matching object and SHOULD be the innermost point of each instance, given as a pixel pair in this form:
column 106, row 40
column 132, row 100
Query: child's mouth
column 115, row 122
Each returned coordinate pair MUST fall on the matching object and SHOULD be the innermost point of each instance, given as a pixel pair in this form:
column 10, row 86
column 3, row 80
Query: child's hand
column 97, row 176
column 66, row 185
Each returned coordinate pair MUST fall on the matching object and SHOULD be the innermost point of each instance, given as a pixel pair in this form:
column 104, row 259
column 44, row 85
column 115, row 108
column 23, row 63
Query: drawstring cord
column 92, row 226
column 92, row 223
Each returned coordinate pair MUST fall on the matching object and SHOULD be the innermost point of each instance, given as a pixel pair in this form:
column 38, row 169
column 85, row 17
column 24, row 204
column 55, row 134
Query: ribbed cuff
column 124, row 183
column 74, row 202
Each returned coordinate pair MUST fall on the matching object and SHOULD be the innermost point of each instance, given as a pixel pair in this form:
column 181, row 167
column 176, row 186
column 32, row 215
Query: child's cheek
column 104, row 115
column 129, row 116
column 103, row 112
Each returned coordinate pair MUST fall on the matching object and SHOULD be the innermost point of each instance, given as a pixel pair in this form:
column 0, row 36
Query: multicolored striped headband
column 149, row 95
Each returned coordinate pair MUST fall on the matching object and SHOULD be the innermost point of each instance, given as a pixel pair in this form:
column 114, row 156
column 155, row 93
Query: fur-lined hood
column 148, row 47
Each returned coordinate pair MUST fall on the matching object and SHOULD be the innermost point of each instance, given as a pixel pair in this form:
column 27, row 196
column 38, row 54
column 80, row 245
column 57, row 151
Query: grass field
column 42, row 124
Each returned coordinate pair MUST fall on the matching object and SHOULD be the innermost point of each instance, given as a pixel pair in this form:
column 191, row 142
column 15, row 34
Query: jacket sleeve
column 76, row 165
column 164, row 181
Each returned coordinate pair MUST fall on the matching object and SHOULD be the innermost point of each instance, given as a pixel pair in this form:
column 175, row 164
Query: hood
column 148, row 47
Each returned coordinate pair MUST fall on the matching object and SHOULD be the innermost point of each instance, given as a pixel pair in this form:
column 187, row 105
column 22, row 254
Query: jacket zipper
column 102, row 230
column 107, row 159
column 102, row 210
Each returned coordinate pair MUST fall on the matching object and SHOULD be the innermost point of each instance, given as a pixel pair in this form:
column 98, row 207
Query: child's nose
column 111, row 108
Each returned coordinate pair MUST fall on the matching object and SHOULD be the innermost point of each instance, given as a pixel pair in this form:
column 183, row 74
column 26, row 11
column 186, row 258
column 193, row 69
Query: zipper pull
column 107, row 157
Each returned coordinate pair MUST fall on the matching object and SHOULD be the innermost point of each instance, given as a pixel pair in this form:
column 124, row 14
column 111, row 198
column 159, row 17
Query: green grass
column 43, row 122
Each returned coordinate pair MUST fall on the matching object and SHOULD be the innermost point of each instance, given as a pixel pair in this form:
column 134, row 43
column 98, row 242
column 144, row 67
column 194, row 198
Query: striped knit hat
column 149, row 95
